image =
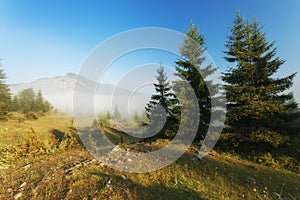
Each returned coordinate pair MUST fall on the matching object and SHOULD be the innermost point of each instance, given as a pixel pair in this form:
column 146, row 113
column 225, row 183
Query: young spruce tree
column 188, row 69
column 163, row 97
column 259, row 109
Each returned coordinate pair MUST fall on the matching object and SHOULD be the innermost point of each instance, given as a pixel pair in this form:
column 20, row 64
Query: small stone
column 79, row 165
column 35, row 190
column 9, row 190
column 23, row 185
column 124, row 177
column 18, row 195
column 26, row 166
column 68, row 171
column 199, row 157
column 277, row 195
column 129, row 160
column 108, row 184
column 116, row 148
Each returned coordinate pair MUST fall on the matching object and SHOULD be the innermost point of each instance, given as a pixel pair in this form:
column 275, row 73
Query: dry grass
column 69, row 172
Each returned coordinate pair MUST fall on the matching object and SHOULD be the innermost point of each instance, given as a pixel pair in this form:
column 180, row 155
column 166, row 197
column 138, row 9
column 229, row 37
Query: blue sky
column 50, row 38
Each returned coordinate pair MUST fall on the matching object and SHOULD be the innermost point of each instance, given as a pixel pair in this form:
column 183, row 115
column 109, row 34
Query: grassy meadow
column 43, row 159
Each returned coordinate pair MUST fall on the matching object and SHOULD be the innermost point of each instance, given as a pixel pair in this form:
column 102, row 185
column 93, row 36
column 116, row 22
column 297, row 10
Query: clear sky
column 50, row 38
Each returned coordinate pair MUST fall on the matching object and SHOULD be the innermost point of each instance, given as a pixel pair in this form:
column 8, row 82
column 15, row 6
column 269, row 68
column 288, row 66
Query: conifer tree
column 27, row 99
column 117, row 115
column 188, row 69
column 46, row 106
column 39, row 104
column 259, row 109
column 5, row 96
column 15, row 105
column 108, row 115
column 163, row 97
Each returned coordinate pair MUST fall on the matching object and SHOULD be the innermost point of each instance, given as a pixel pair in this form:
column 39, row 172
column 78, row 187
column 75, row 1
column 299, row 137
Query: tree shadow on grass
column 156, row 191
column 59, row 135
column 70, row 138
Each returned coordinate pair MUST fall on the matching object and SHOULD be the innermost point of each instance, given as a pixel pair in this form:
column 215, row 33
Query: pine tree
column 46, row 106
column 5, row 96
column 117, row 115
column 27, row 100
column 188, row 69
column 258, row 108
column 108, row 115
column 39, row 104
column 15, row 105
column 164, row 97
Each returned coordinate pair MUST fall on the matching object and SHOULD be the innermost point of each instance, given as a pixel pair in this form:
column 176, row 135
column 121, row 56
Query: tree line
column 25, row 102
column 260, row 110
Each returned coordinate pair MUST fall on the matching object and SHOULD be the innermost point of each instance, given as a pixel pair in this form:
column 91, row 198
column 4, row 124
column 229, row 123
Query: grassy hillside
column 42, row 159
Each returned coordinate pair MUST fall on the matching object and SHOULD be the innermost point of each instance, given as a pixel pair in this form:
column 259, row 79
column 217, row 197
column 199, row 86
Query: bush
column 33, row 146
column 289, row 163
column 267, row 159
column 271, row 137
column 31, row 115
column 30, row 147
column 70, row 141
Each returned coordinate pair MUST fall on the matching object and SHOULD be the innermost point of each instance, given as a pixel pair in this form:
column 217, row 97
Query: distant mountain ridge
column 59, row 92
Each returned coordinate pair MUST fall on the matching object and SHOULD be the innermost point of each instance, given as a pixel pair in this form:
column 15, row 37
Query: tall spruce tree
column 164, row 97
column 188, row 69
column 5, row 96
column 258, row 107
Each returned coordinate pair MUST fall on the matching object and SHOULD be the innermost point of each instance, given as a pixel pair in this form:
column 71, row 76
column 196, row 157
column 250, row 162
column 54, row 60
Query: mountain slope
column 59, row 92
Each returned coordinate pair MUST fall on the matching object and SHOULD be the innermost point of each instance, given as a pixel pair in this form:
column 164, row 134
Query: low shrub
column 31, row 115
column 32, row 146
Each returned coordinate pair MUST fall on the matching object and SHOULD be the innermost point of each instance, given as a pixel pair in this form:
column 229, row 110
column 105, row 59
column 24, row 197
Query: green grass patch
column 69, row 171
